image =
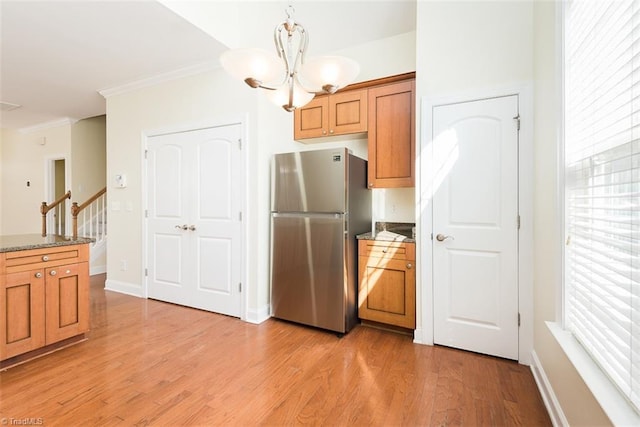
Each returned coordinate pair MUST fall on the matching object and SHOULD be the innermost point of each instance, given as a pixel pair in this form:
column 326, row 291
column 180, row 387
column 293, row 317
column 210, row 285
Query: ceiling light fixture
column 289, row 80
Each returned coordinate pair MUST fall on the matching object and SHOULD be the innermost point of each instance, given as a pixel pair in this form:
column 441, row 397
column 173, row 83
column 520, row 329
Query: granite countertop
column 391, row 232
column 23, row 242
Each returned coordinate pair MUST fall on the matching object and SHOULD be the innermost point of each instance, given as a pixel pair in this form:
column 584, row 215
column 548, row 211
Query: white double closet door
column 194, row 224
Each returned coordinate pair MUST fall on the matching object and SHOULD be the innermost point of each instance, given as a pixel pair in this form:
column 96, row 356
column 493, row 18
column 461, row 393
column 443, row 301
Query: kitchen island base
column 44, row 295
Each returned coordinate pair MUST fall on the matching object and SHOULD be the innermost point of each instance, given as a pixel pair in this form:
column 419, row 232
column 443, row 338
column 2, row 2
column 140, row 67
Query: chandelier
column 289, row 80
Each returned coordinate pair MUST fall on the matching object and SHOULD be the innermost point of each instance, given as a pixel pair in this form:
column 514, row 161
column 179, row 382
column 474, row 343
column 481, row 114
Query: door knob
column 409, row 266
column 442, row 237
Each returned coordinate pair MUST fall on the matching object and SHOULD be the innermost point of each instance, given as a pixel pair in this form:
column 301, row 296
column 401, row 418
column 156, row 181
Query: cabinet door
column 67, row 301
column 387, row 291
column 22, row 328
column 392, row 135
column 312, row 120
column 348, row 112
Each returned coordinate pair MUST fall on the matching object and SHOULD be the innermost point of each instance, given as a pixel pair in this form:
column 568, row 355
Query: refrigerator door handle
column 335, row 215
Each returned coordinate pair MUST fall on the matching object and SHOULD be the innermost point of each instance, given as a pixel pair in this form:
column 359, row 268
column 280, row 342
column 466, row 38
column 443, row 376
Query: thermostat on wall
column 120, row 180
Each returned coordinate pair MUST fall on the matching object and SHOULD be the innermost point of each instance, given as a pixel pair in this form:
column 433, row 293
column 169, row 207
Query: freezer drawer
column 308, row 278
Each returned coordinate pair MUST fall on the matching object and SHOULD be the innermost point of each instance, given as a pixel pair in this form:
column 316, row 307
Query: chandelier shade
column 289, row 80
column 281, row 96
column 328, row 73
column 258, row 64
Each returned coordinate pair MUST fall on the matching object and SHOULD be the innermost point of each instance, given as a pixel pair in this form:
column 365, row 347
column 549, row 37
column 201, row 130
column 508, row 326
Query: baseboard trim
column 97, row 269
column 549, row 398
column 123, row 288
column 258, row 316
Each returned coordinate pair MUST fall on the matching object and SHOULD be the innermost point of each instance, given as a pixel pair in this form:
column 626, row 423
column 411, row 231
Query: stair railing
column 94, row 216
column 45, row 208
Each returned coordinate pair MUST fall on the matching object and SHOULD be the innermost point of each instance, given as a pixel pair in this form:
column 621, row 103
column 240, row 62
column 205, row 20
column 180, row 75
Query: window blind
column 602, row 185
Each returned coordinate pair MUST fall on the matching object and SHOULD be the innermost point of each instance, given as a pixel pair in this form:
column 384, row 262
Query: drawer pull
column 409, row 265
column 45, row 257
column 38, row 275
column 53, row 272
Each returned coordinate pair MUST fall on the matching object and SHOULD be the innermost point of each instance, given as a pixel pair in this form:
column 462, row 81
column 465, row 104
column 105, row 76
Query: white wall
column 477, row 45
column 88, row 157
column 2, row 138
column 577, row 402
column 24, row 158
column 195, row 100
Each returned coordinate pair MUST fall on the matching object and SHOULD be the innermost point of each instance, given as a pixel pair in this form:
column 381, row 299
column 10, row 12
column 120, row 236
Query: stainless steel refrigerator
column 319, row 202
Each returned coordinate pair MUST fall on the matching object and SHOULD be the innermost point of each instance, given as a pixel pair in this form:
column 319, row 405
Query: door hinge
column 146, row 213
column 146, row 272
column 145, row 153
column 518, row 222
column 518, row 320
column 517, row 119
column 240, row 287
column 239, row 143
column 240, row 216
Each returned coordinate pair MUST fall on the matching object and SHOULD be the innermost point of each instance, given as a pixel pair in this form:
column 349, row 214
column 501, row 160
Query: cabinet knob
column 53, row 272
column 45, row 257
column 38, row 275
column 409, row 265
column 331, row 131
column 371, row 185
column 68, row 272
column 324, row 132
column 192, row 227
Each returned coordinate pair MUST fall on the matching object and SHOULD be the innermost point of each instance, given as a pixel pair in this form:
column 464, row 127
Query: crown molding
column 66, row 121
column 160, row 78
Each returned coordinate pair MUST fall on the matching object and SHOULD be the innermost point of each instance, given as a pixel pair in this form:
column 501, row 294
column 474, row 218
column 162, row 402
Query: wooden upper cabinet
column 392, row 135
column 312, row 120
column 342, row 113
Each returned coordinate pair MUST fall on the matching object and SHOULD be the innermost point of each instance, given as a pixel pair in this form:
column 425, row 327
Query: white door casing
column 475, row 210
column 194, row 224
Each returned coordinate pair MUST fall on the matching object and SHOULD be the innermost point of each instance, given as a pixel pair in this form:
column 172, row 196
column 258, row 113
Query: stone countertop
column 23, row 242
column 391, row 232
column 387, row 236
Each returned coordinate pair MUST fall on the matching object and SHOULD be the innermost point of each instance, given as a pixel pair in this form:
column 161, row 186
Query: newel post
column 74, row 216
column 43, row 211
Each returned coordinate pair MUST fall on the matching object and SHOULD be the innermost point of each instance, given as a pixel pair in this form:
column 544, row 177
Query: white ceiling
column 56, row 55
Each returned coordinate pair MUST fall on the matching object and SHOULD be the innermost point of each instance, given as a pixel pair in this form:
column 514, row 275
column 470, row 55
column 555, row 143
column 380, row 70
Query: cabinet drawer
column 391, row 250
column 43, row 258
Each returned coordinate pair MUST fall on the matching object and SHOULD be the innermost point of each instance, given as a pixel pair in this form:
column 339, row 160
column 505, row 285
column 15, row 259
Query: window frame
column 612, row 401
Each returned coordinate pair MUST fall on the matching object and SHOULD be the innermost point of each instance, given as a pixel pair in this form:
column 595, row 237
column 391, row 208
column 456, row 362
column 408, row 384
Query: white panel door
column 194, row 226
column 475, row 226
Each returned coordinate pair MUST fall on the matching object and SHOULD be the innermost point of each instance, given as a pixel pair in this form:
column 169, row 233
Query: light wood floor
column 151, row 363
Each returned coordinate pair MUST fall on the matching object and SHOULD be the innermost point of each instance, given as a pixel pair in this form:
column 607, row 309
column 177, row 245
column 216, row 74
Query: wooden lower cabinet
column 44, row 298
column 22, row 323
column 387, row 283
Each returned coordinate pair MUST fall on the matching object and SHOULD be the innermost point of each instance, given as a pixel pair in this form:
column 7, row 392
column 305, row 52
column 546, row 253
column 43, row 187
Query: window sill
column 613, row 403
